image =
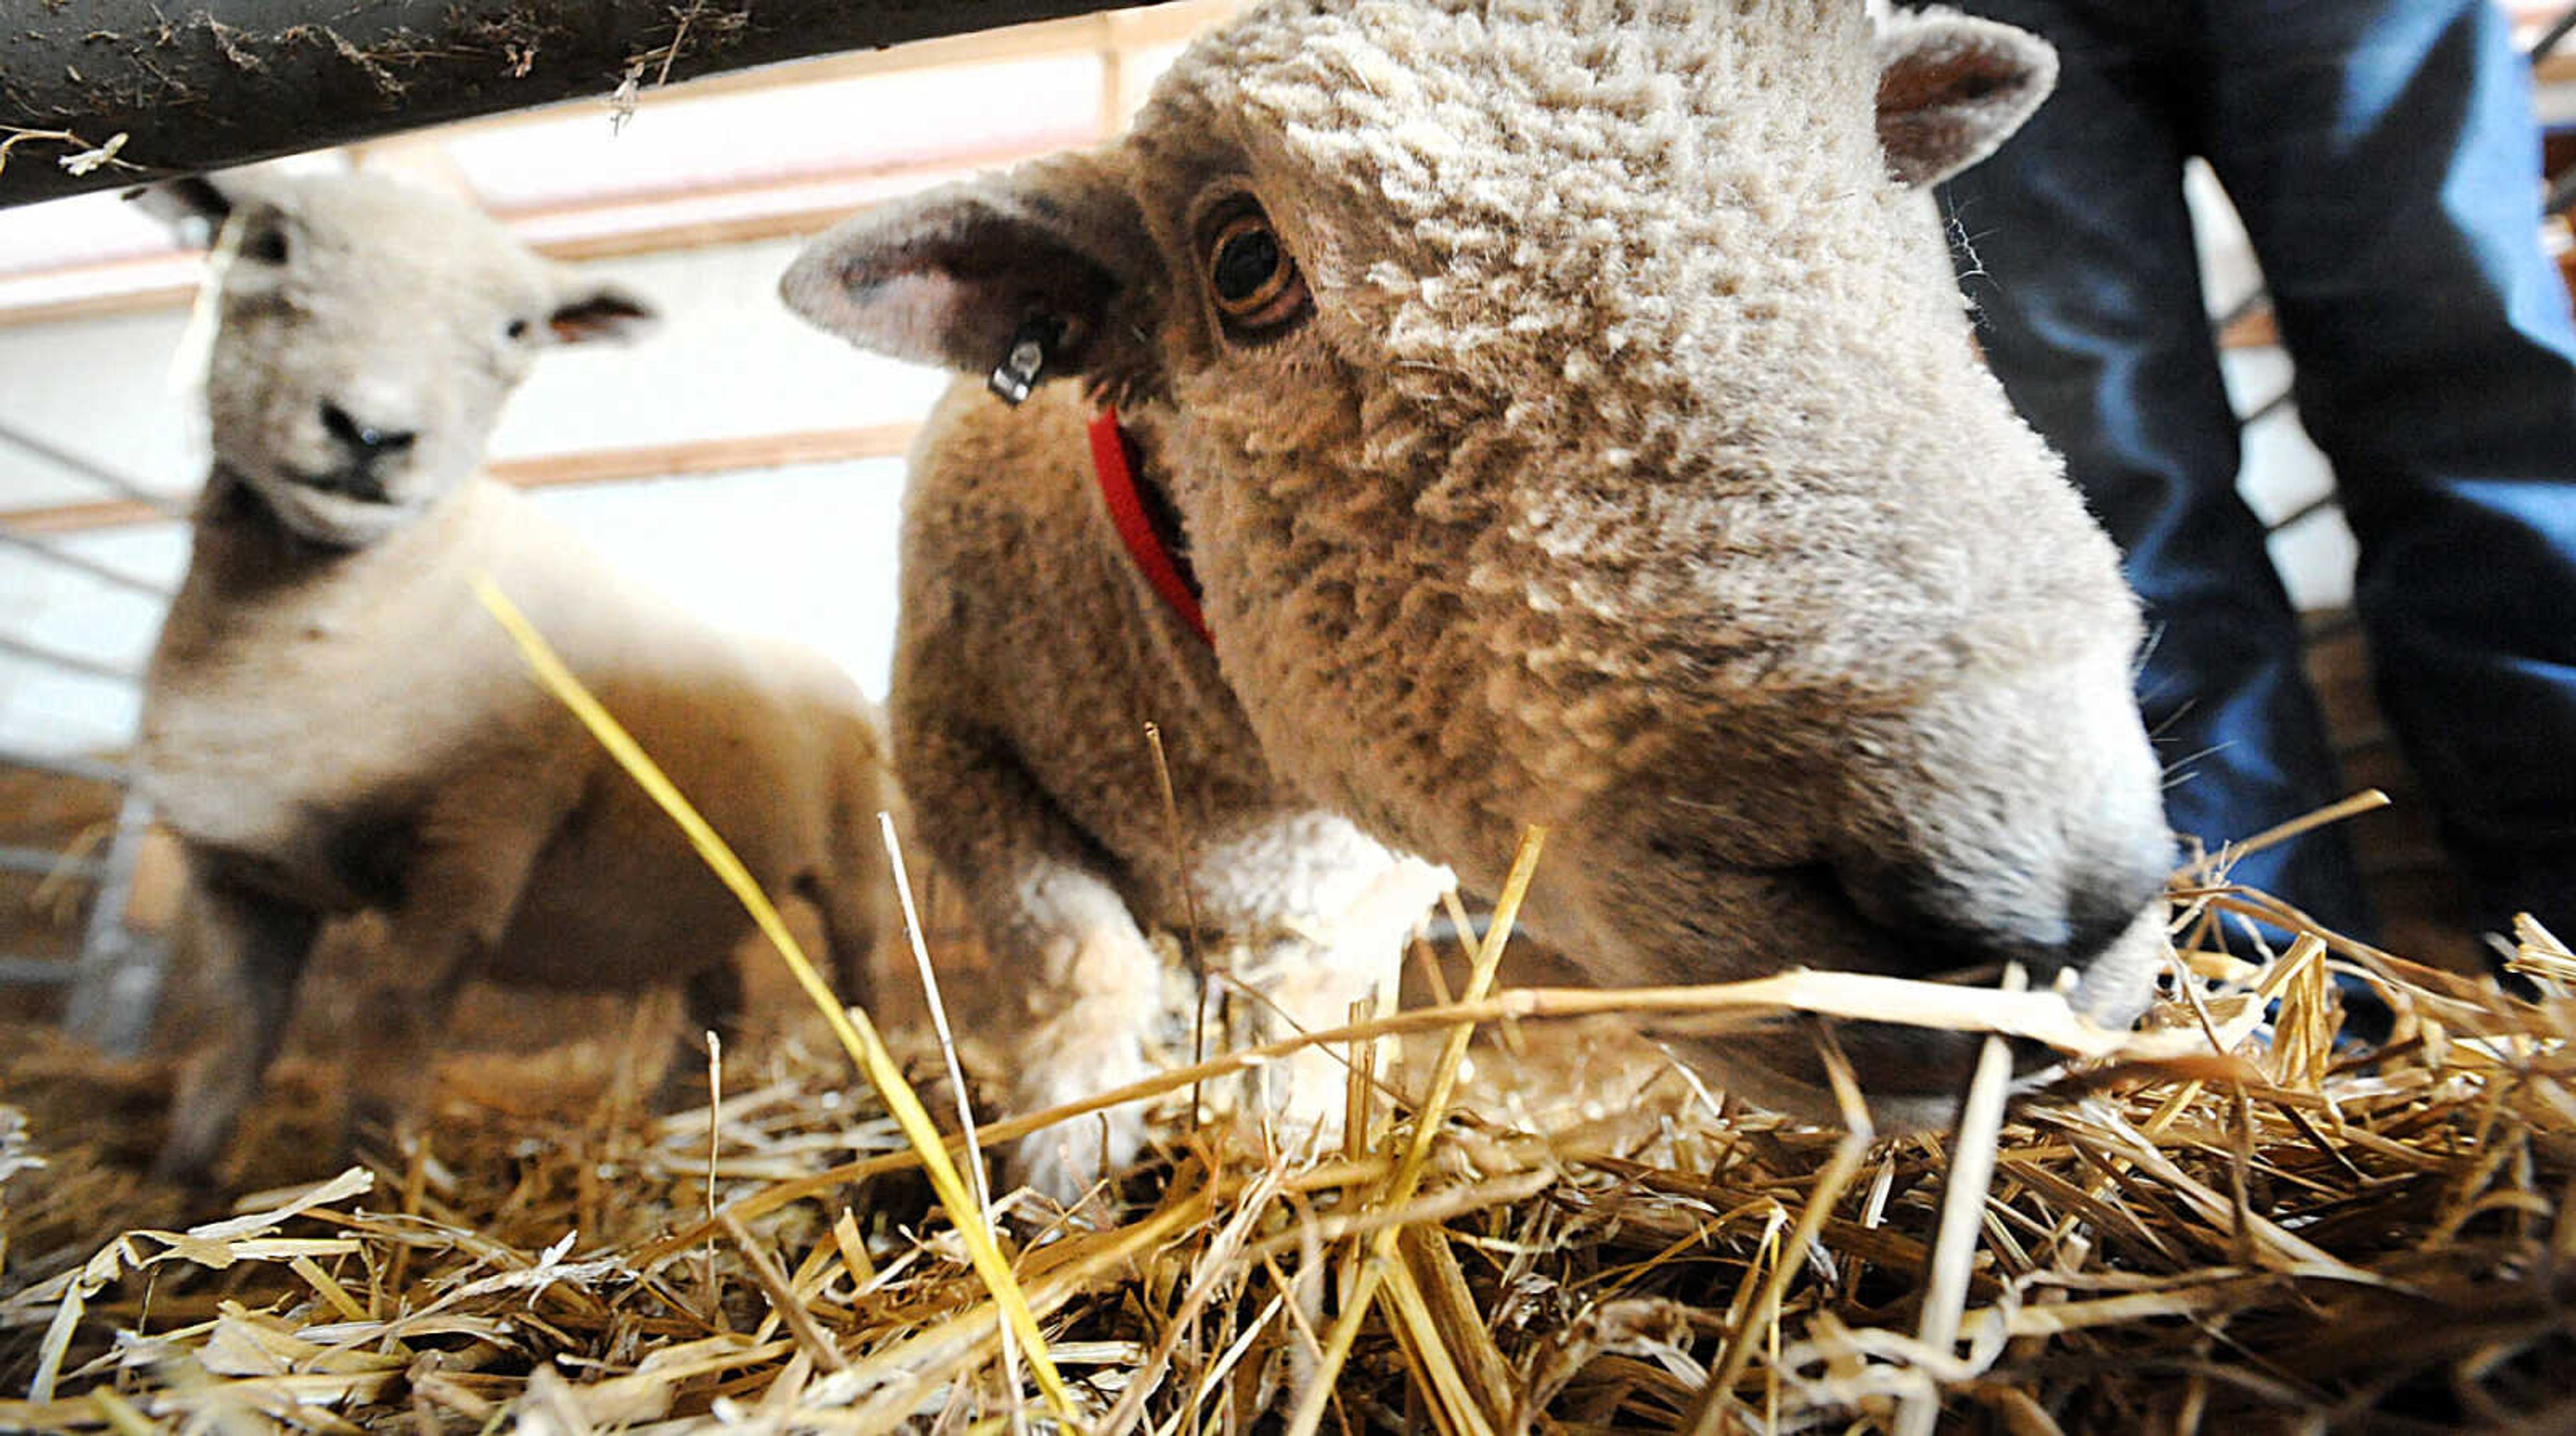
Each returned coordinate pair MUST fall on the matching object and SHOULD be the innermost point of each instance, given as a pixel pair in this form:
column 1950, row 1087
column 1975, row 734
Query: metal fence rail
column 113, row 985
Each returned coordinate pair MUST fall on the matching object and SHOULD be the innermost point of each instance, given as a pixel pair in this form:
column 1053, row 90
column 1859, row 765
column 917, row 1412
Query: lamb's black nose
column 1953, row 930
column 362, row 440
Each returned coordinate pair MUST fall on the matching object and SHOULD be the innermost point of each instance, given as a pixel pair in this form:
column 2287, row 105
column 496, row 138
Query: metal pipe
column 19, row 648
column 2549, row 38
column 44, row 863
column 86, row 770
column 2330, row 499
column 97, row 473
column 182, row 87
column 2268, row 407
column 112, row 1000
column 37, row 548
column 34, row 972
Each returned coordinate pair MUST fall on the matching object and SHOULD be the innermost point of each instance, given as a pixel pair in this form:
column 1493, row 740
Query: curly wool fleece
column 1631, row 473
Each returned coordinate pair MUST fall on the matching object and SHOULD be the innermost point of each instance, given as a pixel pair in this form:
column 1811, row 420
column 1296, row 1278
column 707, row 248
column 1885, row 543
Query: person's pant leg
column 2386, row 162
column 2079, row 256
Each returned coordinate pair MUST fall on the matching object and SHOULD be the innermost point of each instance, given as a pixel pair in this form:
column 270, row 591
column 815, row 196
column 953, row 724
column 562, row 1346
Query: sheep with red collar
column 1562, row 413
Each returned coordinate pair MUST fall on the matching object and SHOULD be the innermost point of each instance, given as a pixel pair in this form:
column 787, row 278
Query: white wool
column 1630, row 472
column 332, row 724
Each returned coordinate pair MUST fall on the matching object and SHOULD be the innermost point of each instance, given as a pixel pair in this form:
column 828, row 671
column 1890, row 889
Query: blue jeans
column 2384, row 158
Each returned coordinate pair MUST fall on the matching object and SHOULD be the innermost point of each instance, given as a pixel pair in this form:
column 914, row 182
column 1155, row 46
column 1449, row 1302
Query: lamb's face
column 368, row 335
column 1572, row 422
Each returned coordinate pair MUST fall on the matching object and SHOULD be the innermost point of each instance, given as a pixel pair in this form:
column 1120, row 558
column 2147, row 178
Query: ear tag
column 1032, row 345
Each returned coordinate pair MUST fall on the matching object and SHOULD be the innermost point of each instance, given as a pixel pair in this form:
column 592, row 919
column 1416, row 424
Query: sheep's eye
column 515, row 329
column 266, row 245
column 1249, row 266
column 1257, row 286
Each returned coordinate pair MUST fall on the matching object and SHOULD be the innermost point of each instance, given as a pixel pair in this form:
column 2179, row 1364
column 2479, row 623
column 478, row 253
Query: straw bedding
column 2270, row 1229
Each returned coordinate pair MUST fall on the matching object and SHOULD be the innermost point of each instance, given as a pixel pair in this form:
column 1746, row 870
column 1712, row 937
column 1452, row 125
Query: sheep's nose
column 363, row 440
column 1949, row 929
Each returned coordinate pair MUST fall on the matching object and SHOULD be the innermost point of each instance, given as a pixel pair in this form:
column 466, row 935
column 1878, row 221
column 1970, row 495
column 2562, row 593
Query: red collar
column 1149, row 543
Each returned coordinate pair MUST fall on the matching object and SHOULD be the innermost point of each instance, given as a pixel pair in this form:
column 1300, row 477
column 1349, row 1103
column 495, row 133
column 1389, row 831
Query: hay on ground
column 2231, row 1217
column 2270, row 1228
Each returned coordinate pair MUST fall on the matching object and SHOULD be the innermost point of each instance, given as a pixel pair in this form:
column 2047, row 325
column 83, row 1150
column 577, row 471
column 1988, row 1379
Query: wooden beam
column 783, row 209
column 706, row 456
column 744, row 454
column 82, row 518
column 2257, row 330
column 779, row 209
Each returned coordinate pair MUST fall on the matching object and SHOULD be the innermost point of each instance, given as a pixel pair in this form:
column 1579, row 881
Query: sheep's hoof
column 189, row 1150
column 1307, row 1116
column 1069, row 1162
column 191, row 1170
column 378, row 1125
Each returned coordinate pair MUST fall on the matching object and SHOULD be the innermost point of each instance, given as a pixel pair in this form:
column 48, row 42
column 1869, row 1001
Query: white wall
column 100, row 388
column 729, row 360
column 805, row 553
column 46, row 710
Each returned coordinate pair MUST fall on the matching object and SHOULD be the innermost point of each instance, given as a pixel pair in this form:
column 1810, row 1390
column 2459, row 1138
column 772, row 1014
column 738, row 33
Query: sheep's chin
column 335, row 520
column 2118, row 985
column 1898, row 1111
column 1913, row 1079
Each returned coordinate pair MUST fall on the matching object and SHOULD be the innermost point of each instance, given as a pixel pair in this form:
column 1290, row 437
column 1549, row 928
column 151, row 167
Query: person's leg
column 2080, row 259
column 2387, row 164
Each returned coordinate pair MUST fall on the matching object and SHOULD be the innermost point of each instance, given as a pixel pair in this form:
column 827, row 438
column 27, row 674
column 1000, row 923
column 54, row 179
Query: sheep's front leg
column 467, row 874
column 1097, row 991
column 1082, row 984
column 711, row 1002
column 857, row 909
column 1311, row 983
column 255, row 946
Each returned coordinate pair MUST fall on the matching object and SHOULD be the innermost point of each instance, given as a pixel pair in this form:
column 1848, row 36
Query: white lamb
column 332, row 723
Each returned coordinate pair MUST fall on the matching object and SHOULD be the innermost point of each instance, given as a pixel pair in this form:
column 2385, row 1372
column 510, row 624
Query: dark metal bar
column 119, row 984
column 2267, row 408
column 194, row 86
column 37, row 548
column 88, row 468
column 2550, row 38
column 34, row 972
column 2330, row 499
column 68, row 662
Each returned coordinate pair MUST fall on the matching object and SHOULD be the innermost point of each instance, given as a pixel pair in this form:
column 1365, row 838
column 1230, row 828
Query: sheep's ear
column 589, row 311
column 195, row 207
column 1035, row 272
column 1951, row 88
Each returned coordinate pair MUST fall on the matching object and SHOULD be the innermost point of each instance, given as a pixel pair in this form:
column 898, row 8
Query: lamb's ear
column 1951, row 88
column 195, row 207
column 586, row 310
column 1034, row 274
